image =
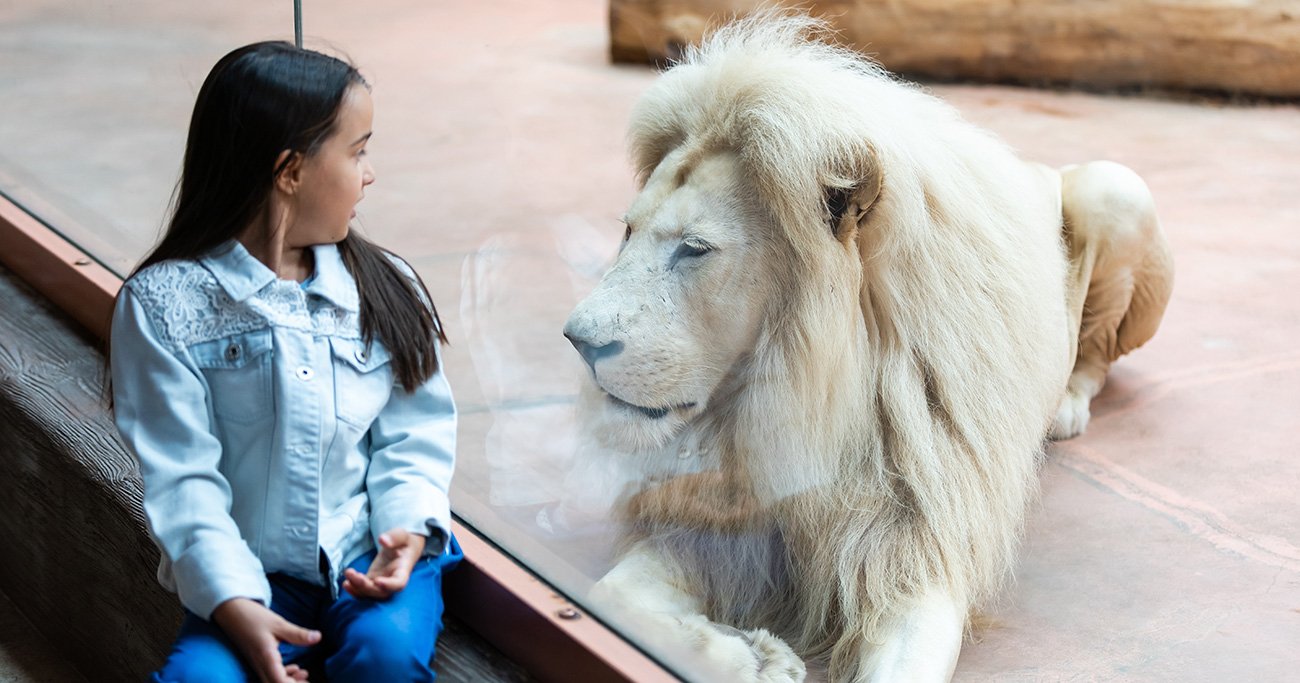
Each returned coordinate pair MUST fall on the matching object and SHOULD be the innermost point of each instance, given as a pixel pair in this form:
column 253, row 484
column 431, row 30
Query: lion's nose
column 592, row 352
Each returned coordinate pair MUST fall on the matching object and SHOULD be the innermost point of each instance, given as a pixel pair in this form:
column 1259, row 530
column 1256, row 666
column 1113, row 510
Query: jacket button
column 232, row 352
column 360, row 355
column 305, row 373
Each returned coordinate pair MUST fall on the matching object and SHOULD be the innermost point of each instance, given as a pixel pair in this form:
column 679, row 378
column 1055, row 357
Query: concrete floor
column 1167, row 542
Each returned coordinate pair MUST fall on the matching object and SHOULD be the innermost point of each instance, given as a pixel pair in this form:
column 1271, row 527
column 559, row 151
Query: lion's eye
column 691, row 250
column 627, row 234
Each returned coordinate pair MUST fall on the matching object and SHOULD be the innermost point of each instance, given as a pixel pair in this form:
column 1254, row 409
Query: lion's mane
column 891, row 418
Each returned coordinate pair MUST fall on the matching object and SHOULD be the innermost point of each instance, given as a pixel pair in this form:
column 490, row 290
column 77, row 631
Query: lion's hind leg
column 647, row 594
column 1121, row 276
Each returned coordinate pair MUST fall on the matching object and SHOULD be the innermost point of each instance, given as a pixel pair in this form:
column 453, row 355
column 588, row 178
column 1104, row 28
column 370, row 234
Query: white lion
column 856, row 316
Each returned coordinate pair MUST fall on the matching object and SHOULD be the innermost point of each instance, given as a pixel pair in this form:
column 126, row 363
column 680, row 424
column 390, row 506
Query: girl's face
column 334, row 179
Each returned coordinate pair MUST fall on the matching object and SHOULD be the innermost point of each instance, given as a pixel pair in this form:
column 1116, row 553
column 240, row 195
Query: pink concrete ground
column 1166, row 545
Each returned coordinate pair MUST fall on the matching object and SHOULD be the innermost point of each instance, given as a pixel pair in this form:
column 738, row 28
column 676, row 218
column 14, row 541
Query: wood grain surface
column 78, row 562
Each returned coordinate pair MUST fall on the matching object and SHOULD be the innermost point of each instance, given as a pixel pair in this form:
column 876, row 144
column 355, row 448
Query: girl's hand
column 398, row 552
column 257, row 632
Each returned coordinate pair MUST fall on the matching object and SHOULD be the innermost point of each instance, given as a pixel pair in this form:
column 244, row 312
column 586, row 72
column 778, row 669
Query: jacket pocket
column 238, row 372
column 363, row 380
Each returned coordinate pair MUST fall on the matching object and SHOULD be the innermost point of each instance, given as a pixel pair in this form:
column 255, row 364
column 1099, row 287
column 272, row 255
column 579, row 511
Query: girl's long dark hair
column 258, row 101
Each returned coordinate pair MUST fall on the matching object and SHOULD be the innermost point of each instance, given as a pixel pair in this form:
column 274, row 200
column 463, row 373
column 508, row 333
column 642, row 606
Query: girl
column 278, row 378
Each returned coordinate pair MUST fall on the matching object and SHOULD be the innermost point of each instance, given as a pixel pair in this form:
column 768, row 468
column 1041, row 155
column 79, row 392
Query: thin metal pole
column 297, row 22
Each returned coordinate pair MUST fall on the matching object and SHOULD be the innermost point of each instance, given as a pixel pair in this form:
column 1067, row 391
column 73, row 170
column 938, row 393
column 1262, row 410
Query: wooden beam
column 1218, row 45
column 535, row 625
column 78, row 284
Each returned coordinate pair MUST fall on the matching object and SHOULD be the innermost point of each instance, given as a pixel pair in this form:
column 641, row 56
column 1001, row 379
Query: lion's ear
column 849, row 207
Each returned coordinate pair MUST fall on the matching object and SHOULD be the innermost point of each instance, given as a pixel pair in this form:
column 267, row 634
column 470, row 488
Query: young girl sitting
column 279, row 380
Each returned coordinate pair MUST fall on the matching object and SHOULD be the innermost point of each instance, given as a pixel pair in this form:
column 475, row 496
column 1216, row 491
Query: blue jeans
column 361, row 639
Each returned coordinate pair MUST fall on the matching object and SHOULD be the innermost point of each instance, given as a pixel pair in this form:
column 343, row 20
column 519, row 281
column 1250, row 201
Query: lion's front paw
column 1071, row 416
column 730, row 654
column 776, row 661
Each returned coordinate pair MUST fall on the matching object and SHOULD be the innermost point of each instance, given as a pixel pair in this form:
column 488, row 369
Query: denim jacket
column 270, row 438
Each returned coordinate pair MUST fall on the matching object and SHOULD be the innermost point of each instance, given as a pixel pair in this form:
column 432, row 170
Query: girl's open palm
column 398, row 552
column 257, row 632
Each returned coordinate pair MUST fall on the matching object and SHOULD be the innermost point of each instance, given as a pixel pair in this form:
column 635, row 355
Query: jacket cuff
column 427, row 512
column 211, row 573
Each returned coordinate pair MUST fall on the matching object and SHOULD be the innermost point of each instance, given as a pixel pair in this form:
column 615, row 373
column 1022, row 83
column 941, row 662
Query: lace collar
column 241, row 275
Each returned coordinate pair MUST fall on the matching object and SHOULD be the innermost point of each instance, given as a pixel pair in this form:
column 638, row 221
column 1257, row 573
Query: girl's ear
column 290, row 175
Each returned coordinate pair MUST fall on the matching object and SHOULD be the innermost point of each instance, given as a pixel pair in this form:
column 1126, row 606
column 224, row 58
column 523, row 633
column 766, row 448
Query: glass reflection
column 501, row 175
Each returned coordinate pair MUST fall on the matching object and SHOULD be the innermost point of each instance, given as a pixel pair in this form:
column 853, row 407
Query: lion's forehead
column 707, row 193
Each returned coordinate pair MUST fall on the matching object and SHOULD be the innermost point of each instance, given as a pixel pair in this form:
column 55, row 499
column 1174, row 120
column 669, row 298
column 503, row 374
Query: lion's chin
column 651, row 413
column 626, row 425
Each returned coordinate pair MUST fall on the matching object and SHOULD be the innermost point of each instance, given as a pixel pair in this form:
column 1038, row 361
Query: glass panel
column 502, row 176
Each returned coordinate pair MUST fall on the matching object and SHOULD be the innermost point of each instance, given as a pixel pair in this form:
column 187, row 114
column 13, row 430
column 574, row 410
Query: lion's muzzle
column 590, row 349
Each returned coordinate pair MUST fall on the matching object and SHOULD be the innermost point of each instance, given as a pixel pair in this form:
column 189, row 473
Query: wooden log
column 1235, row 46
column 77, row 561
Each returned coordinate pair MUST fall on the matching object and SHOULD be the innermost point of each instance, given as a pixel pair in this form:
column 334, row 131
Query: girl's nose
column 367, row 174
